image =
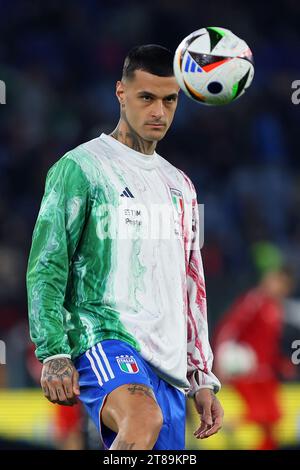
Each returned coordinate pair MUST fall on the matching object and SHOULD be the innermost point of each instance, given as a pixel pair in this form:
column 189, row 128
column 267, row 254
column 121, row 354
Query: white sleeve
column 199, row 353
column 56, row 356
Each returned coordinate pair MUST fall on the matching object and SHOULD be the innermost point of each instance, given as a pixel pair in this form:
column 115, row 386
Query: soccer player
column 255, row 320
column 118, row 309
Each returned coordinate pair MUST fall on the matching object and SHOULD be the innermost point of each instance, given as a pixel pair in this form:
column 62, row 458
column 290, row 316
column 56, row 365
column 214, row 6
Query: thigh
column 103, row 370
column 134, row 402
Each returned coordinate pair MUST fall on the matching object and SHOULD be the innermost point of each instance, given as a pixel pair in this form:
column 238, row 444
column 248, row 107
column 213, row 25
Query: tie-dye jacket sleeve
column 55, row 237
column 199, row 353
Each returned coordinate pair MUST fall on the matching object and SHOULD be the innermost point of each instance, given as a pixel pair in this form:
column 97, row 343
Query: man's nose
column 157, row 109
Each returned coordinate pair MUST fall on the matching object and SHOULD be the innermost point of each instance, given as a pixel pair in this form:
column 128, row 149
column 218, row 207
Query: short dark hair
column 284, row 269
column 150, row 58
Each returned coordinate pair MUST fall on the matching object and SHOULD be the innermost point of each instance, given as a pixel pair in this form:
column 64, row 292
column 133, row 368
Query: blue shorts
column 112, row 363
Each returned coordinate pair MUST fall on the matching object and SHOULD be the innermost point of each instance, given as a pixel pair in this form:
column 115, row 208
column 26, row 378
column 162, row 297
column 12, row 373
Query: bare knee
column 143, row 420
column 140, row 428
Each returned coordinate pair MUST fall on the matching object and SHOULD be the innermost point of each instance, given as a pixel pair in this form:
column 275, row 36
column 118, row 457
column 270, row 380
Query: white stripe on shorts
column 95, row 355
column 94, row 368
column 105, row 359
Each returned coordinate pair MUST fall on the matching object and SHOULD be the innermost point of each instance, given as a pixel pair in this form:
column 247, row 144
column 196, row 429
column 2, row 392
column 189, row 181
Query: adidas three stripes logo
column 100, row 364
column 126, row 193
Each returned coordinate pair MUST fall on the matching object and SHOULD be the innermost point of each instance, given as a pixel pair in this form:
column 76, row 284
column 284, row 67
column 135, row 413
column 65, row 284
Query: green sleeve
column 58, row 229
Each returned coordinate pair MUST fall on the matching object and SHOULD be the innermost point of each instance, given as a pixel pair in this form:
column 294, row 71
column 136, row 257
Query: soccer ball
column 235, row 359
column 213, row 66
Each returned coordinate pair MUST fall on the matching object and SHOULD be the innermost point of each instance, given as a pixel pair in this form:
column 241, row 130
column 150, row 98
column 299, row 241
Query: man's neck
column 126, row 135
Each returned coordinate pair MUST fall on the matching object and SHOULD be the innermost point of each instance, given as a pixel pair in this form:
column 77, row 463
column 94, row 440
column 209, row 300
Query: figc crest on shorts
column 127, row 364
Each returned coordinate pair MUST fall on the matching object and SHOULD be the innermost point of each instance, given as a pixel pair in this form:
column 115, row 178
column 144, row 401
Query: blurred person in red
column 248, row 354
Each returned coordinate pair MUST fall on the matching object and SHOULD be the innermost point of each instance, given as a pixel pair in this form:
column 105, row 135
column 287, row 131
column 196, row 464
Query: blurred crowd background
column 60, row 62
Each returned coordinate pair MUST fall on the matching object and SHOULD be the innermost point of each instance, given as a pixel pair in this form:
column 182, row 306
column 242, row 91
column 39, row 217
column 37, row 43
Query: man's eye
column 146, row 98
column 171, row 99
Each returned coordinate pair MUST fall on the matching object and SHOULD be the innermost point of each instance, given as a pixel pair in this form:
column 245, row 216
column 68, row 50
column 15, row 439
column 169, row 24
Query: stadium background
column 60, row 62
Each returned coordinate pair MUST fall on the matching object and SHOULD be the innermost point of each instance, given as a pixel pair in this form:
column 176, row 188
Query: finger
column 61, row 394
column 46, row 391
column 202, row 432
column 53, row 395
column 206, row 420
column 214, row 429
column 68, row 388
column 75, row 379
column 211, row 431
column 202, row 428
column 72, row 401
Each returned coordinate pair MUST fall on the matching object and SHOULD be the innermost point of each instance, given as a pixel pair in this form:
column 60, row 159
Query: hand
column 210, row 411
column 60, row 381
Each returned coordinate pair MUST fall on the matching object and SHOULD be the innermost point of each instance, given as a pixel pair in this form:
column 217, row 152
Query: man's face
column 149, row 103
column 280, row 284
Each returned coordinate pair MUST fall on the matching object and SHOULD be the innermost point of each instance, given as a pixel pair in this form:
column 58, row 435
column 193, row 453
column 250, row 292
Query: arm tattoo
column 135, row 389
column 58, row 369
column 123, row 445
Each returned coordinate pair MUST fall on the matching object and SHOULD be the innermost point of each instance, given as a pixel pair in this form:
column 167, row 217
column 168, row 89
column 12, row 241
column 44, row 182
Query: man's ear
column 120, row 91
